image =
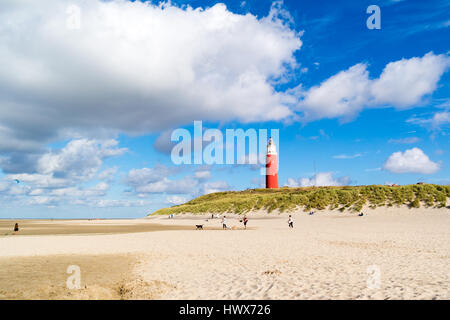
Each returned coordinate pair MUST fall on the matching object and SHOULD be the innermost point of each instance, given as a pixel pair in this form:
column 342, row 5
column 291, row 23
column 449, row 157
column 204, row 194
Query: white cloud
column 110, row 203
column 158, row 180
column 438, row 120
column 61, row 173
column 102, row 203
column 41, row 180
column 97, row 191
column 291, row 182
column 441, row 118
column 136, row 67
column 318, row 180
column 402, row 84
column 409, row 140
column 41, row 200
column 161, row 66
column 202, row 174
column 216, row 186
column 347, row 156
column 176, row 200
column 186, row 185
column 79, row 159
column 342, row 95
column 411, row 161
column 145, row 176
column 108, row 174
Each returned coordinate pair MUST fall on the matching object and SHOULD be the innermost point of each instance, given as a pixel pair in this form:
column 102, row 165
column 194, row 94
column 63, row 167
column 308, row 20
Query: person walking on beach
column 224, row 222
column 16, row 228
column 290, row 222
column 245, row 222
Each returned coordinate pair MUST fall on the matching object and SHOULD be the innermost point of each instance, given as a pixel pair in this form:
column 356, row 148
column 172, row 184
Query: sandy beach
column 395, row 253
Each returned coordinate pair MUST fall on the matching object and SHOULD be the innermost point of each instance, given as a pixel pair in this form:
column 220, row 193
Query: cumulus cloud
column 342, row 95
column 402, row 84
column 60, row 174
column 79, row 159
column 130, row 68
column 136, row 67
column 410, row 161
column 319, row 180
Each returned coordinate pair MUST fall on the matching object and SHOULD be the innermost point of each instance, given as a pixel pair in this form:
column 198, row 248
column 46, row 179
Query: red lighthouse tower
column 271, row 166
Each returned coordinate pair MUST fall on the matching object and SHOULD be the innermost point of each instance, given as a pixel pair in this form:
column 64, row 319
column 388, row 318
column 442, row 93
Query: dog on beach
column 199, row 226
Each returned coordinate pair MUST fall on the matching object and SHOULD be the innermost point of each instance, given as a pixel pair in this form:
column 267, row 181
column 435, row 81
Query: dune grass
column 351, row 198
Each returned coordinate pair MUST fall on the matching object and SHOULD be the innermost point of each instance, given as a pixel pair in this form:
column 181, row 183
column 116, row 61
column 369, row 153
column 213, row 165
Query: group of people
column 245, row 220
column 224, row 222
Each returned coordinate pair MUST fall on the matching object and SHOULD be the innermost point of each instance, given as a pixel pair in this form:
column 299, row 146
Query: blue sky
column 88, row 104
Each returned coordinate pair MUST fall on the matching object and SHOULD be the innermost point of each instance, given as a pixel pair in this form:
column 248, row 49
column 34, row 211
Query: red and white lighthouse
column 271, row 166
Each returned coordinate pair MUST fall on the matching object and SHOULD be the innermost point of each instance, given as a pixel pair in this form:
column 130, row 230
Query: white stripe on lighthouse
column 271, row 148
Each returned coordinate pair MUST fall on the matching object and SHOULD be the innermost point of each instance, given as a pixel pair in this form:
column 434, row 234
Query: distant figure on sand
column 245, row 222
column 290, row 222
column 224, row 222
column 16, row 228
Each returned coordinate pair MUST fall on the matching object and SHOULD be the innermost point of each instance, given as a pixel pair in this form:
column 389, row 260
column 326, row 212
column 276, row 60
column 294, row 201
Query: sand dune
column 325, row 256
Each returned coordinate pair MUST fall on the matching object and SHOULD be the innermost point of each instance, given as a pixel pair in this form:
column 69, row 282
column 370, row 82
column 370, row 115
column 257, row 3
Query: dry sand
column 325, row 256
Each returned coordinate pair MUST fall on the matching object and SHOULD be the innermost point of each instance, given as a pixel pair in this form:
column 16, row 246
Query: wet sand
column 66, row 227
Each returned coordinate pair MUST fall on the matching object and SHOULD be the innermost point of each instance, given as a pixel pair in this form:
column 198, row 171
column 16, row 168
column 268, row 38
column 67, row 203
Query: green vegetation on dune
column 341, row 198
